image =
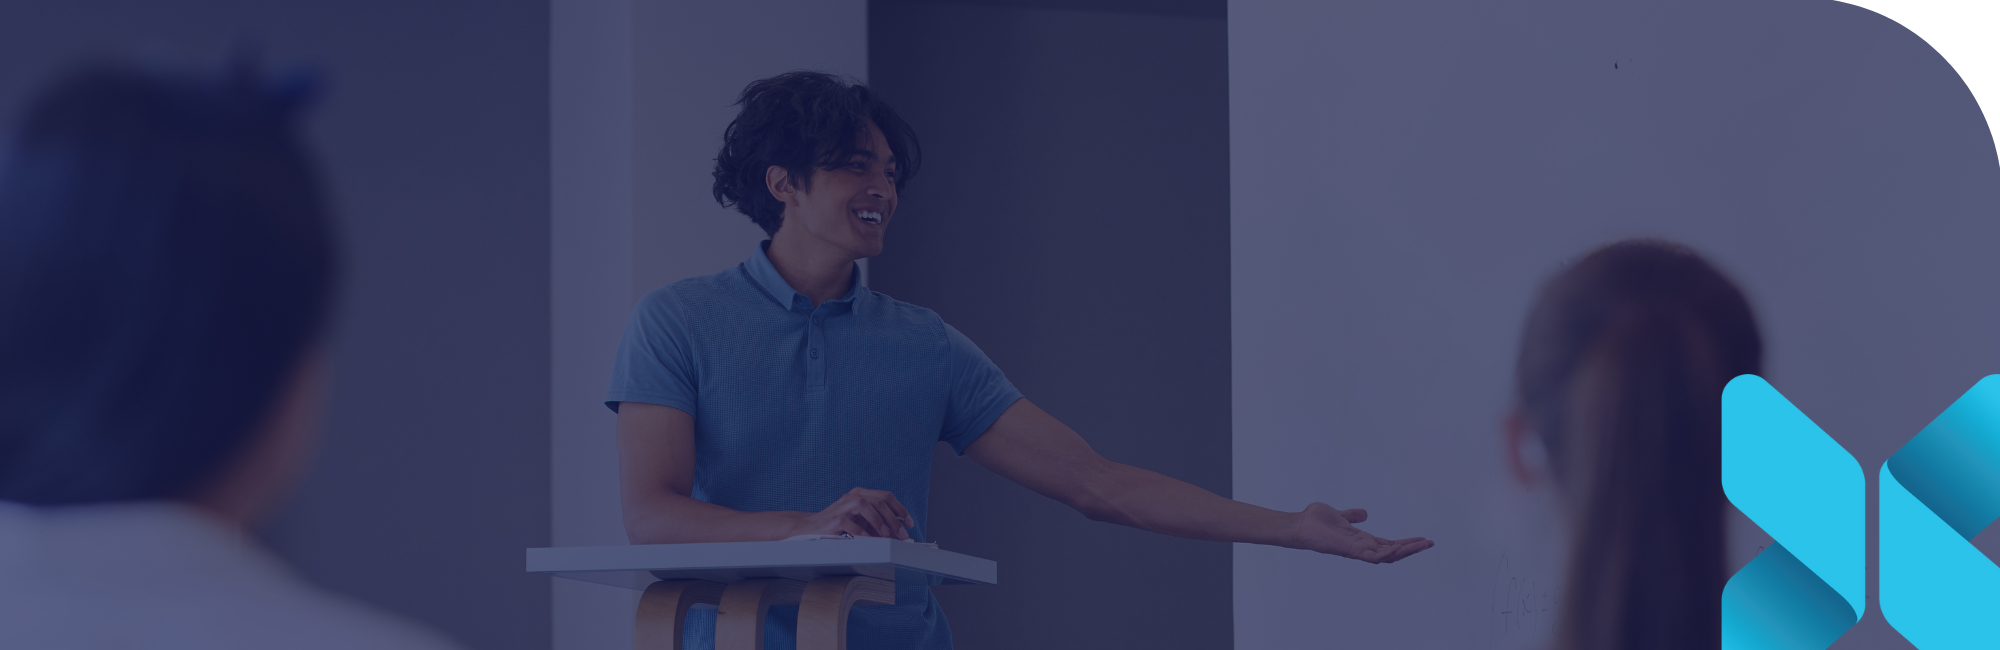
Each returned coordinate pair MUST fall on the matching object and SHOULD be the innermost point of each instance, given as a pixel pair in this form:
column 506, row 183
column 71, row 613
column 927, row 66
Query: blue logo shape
column 1937, row 492
column 1796, row 483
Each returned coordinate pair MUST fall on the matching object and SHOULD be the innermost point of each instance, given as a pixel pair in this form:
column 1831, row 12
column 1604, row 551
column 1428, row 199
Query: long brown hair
column 1622, row 366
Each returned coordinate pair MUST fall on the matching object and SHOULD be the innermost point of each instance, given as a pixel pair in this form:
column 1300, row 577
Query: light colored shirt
column 162, row 575
column 795, row 404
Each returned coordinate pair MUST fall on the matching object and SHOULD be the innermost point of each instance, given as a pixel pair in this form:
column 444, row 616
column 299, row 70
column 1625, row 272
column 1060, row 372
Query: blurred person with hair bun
column 166, row 273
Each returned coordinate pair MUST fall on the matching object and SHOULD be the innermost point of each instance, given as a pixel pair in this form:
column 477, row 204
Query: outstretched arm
column 1032, row 448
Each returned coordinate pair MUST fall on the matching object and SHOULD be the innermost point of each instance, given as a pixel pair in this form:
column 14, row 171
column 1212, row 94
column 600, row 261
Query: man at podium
column 782, row 398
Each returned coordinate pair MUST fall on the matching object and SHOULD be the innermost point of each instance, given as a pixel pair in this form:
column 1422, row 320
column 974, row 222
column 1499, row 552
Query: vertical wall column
column 590, row 230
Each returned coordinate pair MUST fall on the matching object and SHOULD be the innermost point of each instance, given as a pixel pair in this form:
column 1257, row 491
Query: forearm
column 1127, row 495
column 669, row 518
column 1034, row 449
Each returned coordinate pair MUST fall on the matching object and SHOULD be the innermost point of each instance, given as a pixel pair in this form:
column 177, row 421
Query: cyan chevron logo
column 1802, row 488
column 1787, row 475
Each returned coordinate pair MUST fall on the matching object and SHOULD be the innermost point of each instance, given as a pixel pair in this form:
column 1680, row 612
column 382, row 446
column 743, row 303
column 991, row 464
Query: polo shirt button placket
column 815, row 337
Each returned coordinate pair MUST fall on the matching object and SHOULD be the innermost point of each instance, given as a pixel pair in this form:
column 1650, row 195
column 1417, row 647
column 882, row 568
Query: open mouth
column 869, row 216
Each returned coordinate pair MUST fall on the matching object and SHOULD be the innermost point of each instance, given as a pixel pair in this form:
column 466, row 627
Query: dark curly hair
column 800, row 120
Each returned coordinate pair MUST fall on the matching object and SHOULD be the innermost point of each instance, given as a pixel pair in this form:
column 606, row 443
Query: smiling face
column 847, row 208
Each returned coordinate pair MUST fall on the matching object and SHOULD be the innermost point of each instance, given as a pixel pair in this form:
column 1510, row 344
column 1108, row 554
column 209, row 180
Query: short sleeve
column 655, row 363
column 979, row 393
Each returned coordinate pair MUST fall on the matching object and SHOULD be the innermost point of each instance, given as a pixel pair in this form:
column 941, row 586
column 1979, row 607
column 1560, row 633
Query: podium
column 824, row 577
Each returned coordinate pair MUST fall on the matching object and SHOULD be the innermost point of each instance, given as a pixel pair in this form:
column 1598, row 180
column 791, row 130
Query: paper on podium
column 808, row 538
column 635, row 566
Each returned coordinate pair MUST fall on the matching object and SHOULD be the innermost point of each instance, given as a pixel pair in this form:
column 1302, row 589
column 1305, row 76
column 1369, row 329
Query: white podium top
column 636, row 566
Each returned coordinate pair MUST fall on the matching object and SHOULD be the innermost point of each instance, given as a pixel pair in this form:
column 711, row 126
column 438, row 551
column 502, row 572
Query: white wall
column 1405, row 174
column 641, row 92
column 590, row 228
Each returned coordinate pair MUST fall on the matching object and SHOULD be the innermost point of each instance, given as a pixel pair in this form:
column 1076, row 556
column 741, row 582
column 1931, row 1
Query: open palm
column 1330, row 530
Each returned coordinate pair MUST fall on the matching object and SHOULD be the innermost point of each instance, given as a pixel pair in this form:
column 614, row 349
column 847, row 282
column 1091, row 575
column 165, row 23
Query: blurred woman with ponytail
column 1619, row 382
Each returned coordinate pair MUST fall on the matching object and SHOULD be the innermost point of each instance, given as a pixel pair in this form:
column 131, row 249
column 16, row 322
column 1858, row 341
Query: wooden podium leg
column 740, row 624
column 823, row 609
column 663, row 610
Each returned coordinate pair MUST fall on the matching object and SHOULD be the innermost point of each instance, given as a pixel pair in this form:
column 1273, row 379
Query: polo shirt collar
column 766, row 275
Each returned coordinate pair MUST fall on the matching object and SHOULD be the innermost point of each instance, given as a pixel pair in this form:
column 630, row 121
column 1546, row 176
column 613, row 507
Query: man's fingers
column 863, row 509
column 1346, row 540
column 892, row 523
column 1405, row 550
column 1376, row 550
column 891, row 511
column 894, row 507
column 901, row 512
column 884, row 525
column 858, row 524
column 1384, row 549
column 866, row 518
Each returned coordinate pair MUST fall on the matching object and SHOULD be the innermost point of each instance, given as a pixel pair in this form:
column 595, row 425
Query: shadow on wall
column 1048, row 228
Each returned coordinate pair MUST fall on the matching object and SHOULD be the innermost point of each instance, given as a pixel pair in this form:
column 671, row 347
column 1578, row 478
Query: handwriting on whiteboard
column 1523, row 607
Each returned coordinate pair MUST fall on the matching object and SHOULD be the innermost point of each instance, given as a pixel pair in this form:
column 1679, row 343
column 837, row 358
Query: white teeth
column 870, row 217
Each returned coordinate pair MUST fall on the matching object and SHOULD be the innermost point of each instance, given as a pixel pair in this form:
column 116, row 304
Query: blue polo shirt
column 794, row 405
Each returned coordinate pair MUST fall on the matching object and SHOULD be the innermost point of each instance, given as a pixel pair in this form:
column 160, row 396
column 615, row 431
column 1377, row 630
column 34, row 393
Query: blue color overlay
column 1937, row 492
column 1809, row 494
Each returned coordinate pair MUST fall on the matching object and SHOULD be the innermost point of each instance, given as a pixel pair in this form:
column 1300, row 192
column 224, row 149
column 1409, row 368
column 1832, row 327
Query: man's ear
column 779, row 182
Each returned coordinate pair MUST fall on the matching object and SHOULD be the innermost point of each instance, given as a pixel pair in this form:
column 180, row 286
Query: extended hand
column 861, row 512
column 1330, row 530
